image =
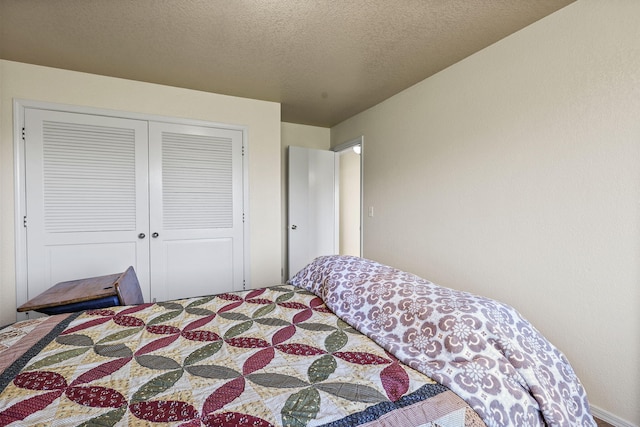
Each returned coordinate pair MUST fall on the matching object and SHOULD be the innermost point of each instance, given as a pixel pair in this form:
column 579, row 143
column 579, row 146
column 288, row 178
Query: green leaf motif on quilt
column 277, row 380
column 236, row 330
column 76, row 340
column 335, row 341
column 212, row 371
column 109, row 419
column 201, row 301
column 272, row 321
column 280, row 288
column 171, row 306
column 300, row 408
column 312, row 326
column 197, row 311
column 152, row 361
column 342, row 325
column 158, row 385
column 117, row 350
column 264, row 310
column 203, row 352
column 164, row 318
column 237, row 317
column 285, row 297
column 57, row 358
column 353, row 392
column 120, row 335
column 322, row 368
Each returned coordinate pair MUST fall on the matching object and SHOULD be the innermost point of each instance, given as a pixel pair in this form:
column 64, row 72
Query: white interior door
column 313, row 207
column 86, row 197
column 196, row 210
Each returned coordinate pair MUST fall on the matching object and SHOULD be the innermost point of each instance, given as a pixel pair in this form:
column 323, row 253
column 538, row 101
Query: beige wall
column 516, row 174
column 298, row 136
column 59, row 86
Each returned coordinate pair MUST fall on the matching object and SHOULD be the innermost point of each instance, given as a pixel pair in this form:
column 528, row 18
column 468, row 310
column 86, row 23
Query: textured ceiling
column 323, row 60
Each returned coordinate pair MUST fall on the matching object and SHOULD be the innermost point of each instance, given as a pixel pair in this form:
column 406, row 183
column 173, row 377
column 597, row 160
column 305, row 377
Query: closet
column 104, row 192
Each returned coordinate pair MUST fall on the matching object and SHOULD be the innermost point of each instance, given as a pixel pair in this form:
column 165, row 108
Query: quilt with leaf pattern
column 268, row 357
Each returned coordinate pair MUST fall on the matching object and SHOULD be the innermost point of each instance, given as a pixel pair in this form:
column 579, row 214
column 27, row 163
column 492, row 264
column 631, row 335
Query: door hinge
column 243, row 150
column 243, row 217
column 24, row 221
column 244, row 285
column 23, row 134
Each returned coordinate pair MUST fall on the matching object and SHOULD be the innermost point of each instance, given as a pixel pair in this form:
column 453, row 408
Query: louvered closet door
column 195, row 210
column 86, row 197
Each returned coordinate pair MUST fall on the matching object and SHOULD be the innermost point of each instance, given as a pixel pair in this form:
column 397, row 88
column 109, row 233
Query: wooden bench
column 87, row 294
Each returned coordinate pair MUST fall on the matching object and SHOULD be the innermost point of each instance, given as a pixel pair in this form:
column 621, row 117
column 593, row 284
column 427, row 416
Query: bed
column 347, row 342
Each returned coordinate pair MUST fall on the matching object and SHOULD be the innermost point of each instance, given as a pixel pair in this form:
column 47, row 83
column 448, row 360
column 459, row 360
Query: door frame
column 346, row 146
column 19, row 106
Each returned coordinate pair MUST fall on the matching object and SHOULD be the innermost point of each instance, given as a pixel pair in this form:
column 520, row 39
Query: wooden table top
column 74, row 291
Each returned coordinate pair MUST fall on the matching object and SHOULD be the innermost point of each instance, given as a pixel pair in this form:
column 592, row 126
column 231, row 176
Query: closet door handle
column 154, row 235
column 141, row 236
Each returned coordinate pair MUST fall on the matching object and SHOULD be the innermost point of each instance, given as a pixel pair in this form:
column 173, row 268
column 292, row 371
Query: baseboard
column 610, row 418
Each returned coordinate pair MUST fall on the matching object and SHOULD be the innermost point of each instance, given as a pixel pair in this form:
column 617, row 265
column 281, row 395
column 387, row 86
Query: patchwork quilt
column 269, row 357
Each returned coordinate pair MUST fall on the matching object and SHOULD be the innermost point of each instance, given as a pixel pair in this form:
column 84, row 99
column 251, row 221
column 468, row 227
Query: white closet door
column 195, row 210
column 86, row 197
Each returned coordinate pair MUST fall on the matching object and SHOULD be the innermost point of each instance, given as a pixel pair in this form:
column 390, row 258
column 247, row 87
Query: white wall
column 516, row 174
column 31, row 82
column 298, row 136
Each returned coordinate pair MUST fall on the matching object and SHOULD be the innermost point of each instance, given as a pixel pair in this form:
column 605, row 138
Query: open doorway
column 350, row 197
column 324, row 203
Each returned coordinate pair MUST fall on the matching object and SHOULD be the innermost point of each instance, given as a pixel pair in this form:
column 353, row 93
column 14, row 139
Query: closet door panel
column 86, row 197
column 196, row 210
column 197, row 265
column 88, row 259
